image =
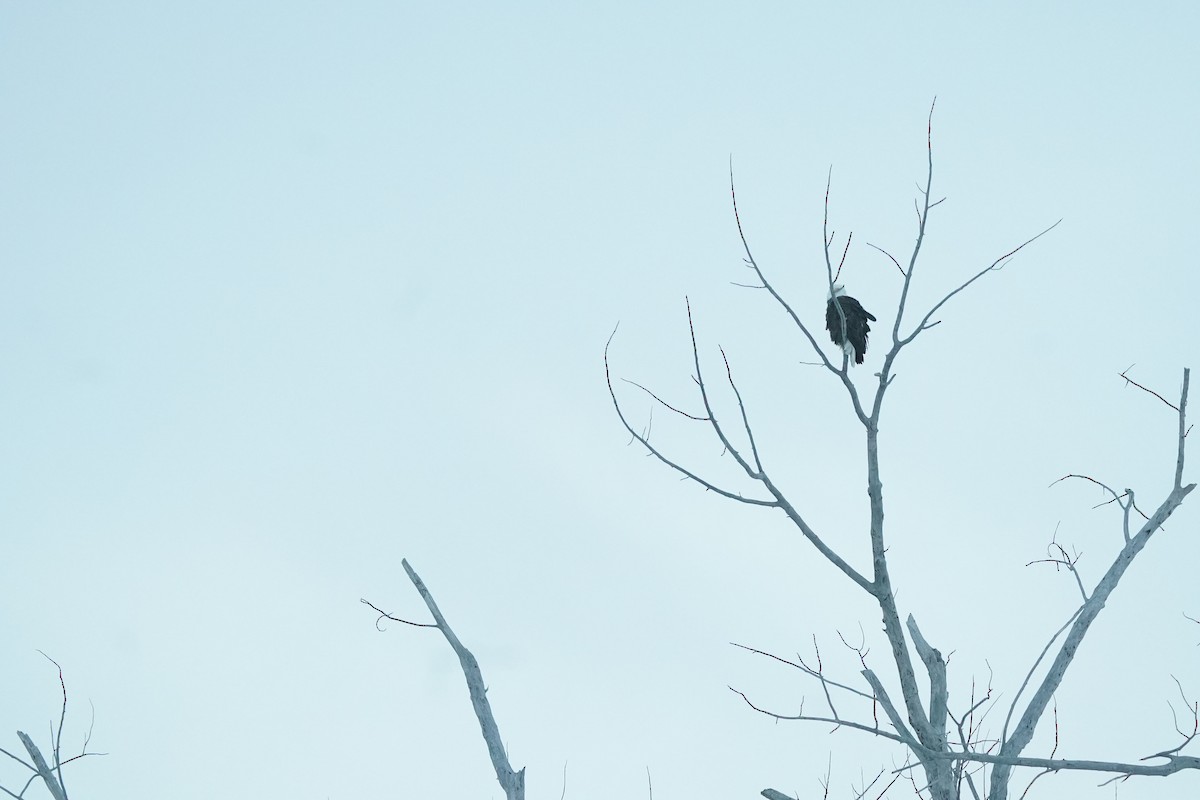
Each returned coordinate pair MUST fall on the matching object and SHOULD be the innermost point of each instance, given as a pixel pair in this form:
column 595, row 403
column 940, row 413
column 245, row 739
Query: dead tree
column 946, row 746
column 48, row 773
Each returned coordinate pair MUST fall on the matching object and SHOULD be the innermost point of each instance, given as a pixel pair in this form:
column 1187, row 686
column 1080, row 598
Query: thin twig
column 385, row 615
column 664, row 402
column 1129, row 380
column 889, row 255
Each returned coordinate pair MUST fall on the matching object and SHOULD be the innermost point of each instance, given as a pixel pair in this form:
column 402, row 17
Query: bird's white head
column 837, row 291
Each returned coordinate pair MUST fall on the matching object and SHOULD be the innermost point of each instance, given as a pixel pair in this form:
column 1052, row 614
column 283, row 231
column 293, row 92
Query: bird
column 855, row 342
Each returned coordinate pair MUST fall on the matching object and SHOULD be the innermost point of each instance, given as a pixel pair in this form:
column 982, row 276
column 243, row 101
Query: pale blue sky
column 289, row 291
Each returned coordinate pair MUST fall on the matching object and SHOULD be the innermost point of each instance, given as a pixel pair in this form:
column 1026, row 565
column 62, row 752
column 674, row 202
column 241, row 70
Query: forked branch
column 511, row 781
column 753, row 471
column 1010, row 751
column 998, row 264
column 49, row 772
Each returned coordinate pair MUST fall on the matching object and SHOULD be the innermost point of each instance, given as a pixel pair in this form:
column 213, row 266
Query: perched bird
column 855, row 342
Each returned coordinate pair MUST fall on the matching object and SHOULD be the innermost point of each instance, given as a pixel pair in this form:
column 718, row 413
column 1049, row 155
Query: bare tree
column 948, row 747
column 49, row 773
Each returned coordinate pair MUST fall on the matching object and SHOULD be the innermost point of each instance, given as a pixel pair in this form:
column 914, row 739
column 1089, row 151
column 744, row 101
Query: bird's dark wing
column 852, row 306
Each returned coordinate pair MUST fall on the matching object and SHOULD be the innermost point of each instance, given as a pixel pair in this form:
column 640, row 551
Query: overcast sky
column 290, row 291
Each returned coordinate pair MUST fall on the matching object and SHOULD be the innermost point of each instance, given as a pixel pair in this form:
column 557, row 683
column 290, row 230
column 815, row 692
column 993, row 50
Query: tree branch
column 858, row 726
column 1014, row 745
column 779, row 501
column 843, row 374
column 43, row 769
column 893, row 715
column 1174, row 764
column 645, row 442
column 935, row 665
column 512, row 782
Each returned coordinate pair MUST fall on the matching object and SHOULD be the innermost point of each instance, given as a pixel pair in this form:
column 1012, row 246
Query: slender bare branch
column 1126, row 507
column 858, row 726
column 832, row 276
column 1129, row 380
column 1029, row 675
column 816, row 673
column 61, row 722
column 1058, row 556
column 664, row 403
column 385, row 615
column 745, row 419
column 18, row 759
column 889, row 255
column 922, row 219
column 842, row 263
column 511, row 781
column 752, row 472
column 645, row 442
column 1183, row 430
column 843, row 373
column 995, row 265
column 1105, row 487
column 893, row 715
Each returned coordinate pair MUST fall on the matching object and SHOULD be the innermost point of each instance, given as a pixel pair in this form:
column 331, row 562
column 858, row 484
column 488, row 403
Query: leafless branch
column 61, row 721
column 841, row 373
column 816, row 673
column 998, row 264
column 1104, row 486
column 53, row 784
column 858, row 726
column 889, row 255
column 50, row 772
column 889, row 709
column 1194, row 708
column 1129, row 380
column 966, row 734
column 1058, row 556
column 1183, row 429
column 511, row 781
column 645, row 442
column 745, row 419
column 1116, row 498
column 664, row 402
column 935, row 666
column 922, row 220
column 849, row 239
column 754, row 472
column 1173, row 765
column 859, row 794
column 385, row 615
column 1035, row 780
column 1029, row 675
